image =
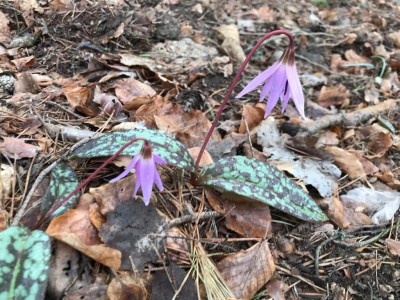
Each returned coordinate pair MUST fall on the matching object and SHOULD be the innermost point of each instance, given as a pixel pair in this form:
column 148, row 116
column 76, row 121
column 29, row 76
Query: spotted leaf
column 262, row 182
column 63, row 181
column 164, row 145
column 24, row 262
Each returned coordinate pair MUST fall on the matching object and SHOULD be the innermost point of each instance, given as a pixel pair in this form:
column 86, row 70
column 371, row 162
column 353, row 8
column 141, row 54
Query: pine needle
column 204, row 271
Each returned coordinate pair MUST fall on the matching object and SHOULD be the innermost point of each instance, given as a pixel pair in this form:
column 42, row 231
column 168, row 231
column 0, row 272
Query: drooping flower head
column 280, row 81
column 146, row 171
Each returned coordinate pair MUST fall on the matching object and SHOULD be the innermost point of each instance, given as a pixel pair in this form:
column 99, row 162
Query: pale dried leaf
column 347, row 161
column 7, row 180
column 5, row 34
column 129, row 88
column 393, row 247
column 17, row 148
column 75, row 229
column 381, row 205
column 247, row 271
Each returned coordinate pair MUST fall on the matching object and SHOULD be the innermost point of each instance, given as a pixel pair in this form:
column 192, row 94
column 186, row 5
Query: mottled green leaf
column 164, row 145
column 263, row 182
column 24, row 261
column 63, row 181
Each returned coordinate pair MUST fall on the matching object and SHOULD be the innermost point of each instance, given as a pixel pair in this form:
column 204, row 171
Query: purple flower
column 280, row 81
column 146, row 171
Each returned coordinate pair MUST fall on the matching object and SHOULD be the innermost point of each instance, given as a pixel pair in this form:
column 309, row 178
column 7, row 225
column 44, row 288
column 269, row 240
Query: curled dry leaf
column 383, row 205
column 75, row 229
column 190, row 128
column 28, row 8
column 17, row 148
column 108, row 196
column 130, row 88
column 231, row 42
column 109, row 103
column 7, row 181
column 247, row 271
column 5, row 34
column 333, row 96
column 242, row 215
column 128, row 285
column 205, row 160
column 24, row 63
column 388, row 177
column 394, row 37
column 252, row 115
column 347, row 161
column 335, row 209
column 79, row 97
column 393, row 247
column 4, row 219
column 378, row 140
column 275, row 289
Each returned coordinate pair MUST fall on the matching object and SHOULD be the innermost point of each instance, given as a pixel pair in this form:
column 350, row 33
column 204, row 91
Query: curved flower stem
column 234, row 82
column 85, row 182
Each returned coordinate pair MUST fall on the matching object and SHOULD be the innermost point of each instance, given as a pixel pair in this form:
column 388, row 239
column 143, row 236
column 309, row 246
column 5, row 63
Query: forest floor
column 72, row 70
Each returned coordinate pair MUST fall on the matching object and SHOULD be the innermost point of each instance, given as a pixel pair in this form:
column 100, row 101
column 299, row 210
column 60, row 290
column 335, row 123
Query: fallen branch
column 350, row 119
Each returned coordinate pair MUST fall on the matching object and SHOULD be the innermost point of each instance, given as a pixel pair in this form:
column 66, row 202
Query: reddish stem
column 85, row 182
column 234, row 82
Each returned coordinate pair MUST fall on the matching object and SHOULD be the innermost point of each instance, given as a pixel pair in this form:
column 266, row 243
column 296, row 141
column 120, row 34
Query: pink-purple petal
column 147, row 170
column 128, row 169
column 158, row 181
column 285, row 99
column 278, row 82
column 261, row 78
column 296, row 90
column 158, row 159
column 137, row 184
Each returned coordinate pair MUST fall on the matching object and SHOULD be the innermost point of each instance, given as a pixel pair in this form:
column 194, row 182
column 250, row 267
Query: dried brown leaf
column 347, row 161
column 127, row 286
column 231, row 42
column 393, row 247
column 194, row 125
column 4, row 219
column 28, row 7
column 168, row 125
column 24, row 63
column 247, row 271
column 75, row 229
column 7, row 181
column 205, row 160
column 253, row 116
column 242, row 215
column 79, row 97
column 109, row 103
column 25, row 84
column 275, row 289
column 108, row 196
column 395, row 38
column 5, row 34
column 17, row 148
column 333, row 96
column 130, row 88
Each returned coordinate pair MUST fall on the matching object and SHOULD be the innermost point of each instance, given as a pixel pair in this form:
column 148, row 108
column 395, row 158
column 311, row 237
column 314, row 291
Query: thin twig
column 192, row 218
column 63, row 109
column 38, row 180
column 309, row 282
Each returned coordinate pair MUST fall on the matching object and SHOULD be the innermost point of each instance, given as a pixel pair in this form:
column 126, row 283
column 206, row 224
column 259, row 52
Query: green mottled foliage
column 63, row 181
column 260, row 181
column 24, row 261
column 164, row 145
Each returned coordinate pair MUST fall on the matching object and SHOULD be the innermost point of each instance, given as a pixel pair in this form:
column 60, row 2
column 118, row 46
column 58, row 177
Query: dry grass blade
column 204, row 270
